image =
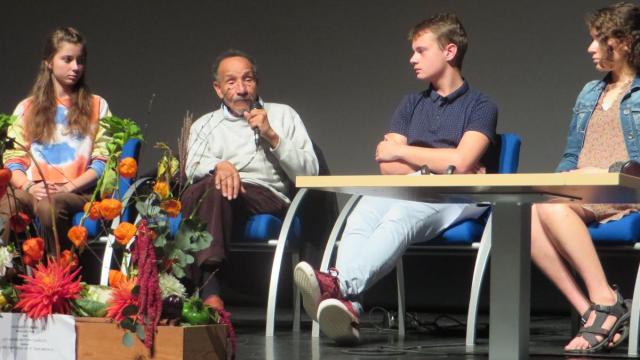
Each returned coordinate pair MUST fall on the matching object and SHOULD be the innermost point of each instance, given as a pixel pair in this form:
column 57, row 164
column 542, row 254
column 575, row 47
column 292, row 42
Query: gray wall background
column 343, row 65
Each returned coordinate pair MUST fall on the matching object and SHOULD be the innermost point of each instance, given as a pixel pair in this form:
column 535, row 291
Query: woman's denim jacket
column 585, row 104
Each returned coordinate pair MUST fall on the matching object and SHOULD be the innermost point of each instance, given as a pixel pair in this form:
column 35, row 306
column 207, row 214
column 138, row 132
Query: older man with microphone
column 243, row 158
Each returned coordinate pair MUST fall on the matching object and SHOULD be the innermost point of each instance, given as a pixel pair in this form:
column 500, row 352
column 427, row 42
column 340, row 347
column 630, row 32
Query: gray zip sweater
column 219, row 136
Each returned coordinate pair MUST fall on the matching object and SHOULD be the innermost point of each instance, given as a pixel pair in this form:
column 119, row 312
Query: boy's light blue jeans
column 378, row 232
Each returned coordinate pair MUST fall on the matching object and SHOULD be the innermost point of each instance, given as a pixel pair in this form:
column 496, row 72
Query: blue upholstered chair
column 130, row 149
column 316, row 210
column 623, row 233
column 467, row 234
column 95, row 227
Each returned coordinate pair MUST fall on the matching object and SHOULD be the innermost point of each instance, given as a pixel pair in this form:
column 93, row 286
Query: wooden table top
column 538, row 187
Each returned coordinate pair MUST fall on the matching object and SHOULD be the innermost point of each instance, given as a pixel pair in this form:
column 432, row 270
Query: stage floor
column 432, row 336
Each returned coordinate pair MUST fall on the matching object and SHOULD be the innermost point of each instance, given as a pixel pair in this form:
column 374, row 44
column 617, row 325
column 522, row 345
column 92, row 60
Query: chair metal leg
column 401, row 298
column 482, row 259
column 295, row 258
column 331, row 244
column 106, row 260
column 635, row 318
column 108, row 250
column 277, row 261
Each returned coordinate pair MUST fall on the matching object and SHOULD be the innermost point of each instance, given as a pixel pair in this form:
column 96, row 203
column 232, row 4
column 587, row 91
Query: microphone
column 256, row 131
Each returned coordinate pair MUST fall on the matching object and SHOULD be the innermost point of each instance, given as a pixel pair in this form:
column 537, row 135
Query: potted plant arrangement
column 145, row 309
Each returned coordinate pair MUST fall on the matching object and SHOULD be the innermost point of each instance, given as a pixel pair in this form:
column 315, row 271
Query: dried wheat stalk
column 183, row 146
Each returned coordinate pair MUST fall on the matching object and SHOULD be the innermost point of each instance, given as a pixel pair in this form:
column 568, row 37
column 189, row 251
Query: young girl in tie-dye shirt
column 59, row 125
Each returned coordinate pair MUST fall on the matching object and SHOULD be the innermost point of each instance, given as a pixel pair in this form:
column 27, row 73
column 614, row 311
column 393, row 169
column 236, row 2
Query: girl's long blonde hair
column 41, row 110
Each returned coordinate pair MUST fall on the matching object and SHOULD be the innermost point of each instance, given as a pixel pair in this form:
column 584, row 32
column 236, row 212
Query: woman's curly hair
column 620, row 21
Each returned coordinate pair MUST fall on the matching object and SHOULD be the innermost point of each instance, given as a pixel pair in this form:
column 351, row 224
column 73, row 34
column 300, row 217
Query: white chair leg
column 635, row 318
column 295, row 258
column 401, row 298
column 331, row 244
column 277, row 261
column 106, row 260
column 108, row 250
column 482, row 259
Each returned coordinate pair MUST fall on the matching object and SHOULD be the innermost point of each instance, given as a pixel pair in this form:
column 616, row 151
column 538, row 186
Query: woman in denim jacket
column 604, row 130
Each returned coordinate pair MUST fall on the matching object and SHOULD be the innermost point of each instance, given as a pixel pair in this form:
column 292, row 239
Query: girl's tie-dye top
column 68, row 154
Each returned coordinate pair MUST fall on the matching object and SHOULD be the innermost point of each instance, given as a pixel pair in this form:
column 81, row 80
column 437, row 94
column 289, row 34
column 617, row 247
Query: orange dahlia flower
column 69, row 258
column 127, row 167
column 171, row 207
column 33, row 250
column 110, row 208
column 78, row 236
column 124, row 232
column 162, row 189
column 122, row 297
column 94, row 211
column 50, row 290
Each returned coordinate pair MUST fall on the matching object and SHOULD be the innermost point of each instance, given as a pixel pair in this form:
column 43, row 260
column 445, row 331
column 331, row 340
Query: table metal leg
column 510, row 282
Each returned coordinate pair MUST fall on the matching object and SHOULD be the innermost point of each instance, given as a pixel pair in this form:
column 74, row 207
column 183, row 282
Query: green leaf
column 200, row 240
column 180, row 257
column 183, row 236
column 177, row 271
column 109, row 182
column 168, row 167
column 147, row 208
column 127, row 339
column 130, row 310
column 128, row 324
column 140, row 331
column 160, row 241
column 92, row 308
column 7, row 120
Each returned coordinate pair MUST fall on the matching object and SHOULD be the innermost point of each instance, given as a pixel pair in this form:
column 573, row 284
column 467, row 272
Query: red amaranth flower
column 50, row 290
column 225, row 318
column 144, row 256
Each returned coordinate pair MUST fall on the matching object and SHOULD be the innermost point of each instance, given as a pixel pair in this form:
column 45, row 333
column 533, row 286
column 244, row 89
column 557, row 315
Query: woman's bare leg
column 566, row 232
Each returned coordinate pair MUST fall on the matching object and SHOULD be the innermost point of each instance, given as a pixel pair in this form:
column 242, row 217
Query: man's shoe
column 339, row 321
column 315, row 286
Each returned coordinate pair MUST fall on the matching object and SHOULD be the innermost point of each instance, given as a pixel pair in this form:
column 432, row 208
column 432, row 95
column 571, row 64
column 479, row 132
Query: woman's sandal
column 590, row 334
column 624, row 330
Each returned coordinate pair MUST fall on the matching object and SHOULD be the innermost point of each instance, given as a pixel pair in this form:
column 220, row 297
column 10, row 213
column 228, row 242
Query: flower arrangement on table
column 146, row 291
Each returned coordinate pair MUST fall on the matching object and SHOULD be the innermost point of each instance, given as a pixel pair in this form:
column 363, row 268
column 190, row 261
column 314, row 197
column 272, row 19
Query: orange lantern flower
column 93, row 211
column 110, row 208
column 78, row 236
column 171, row 207
column 116, row 278
column 68, row 258
column 162, row 189
column 124, row 232
column 19, row 222
column 127, row 167
column 33, row 250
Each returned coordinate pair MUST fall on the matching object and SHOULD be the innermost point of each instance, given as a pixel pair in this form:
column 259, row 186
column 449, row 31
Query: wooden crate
column 101, row 339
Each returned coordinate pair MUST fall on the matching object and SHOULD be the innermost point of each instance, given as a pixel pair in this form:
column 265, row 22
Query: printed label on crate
column 52, row 338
